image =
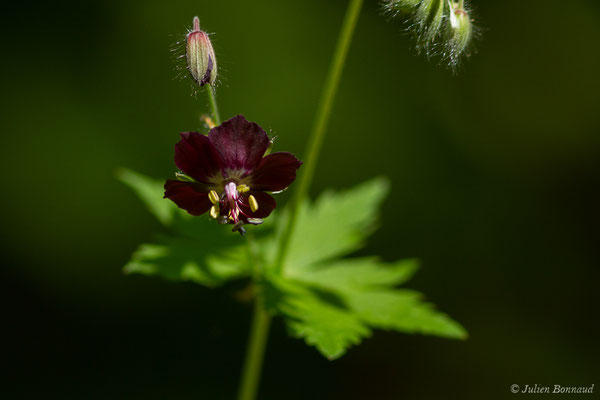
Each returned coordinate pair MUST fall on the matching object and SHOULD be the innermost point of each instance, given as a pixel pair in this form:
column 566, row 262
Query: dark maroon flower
column 227, row 175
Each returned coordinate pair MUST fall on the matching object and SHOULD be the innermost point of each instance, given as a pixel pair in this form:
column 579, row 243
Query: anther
column 214, row 212
column 253, row 203
column 213, row 197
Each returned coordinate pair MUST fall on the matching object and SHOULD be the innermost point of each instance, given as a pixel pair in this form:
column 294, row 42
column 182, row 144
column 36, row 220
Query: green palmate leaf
column 330, row 329
column 357, row 274
column 186, row 260
column 322, row 324
column 198, row 250
column 334, row 303
column 334, row 307
column 402, row 310
column 150, row 191
column 336, row 225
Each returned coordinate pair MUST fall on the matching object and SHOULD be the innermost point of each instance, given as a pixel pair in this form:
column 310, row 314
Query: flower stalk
column 212, row 99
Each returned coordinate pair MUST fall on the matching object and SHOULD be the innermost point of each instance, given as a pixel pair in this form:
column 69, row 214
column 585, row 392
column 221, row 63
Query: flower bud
column 442, row 27
column 201, row 61
column 429, row 16
column 460, row 32
column 401, row 6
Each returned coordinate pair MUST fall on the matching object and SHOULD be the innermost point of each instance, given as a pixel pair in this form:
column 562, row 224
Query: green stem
column 261, row 320
column 319, row 126
column 259, row 331
column 213, row 104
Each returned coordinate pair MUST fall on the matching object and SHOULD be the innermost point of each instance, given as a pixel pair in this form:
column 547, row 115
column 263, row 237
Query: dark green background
column 495, row 185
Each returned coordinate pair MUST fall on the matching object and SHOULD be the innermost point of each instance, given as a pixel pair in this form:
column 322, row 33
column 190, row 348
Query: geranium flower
column 227, row 175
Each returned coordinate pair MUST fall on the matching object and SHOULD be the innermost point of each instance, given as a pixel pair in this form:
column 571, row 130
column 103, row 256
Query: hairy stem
column 212, row 99
column 319, row 126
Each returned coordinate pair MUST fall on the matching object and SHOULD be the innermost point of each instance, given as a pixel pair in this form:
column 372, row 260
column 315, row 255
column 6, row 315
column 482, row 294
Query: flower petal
column 275, row 172
column 197, row 157
column 266, row 204
column 241, row 143
column 190, row 196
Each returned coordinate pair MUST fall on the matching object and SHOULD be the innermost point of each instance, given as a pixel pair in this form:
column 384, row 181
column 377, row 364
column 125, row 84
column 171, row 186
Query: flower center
column 229, row 204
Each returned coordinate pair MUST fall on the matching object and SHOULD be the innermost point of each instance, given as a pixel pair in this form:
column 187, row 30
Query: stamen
column 242, row 188
column 213, row 197
column 234, row 214
column 214, row 212
column 253, row 203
